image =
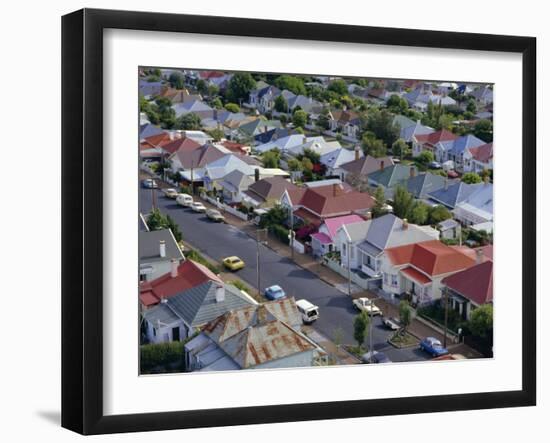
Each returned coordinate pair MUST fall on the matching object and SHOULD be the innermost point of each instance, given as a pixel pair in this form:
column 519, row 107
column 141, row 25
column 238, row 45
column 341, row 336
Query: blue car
column 433, row 347
column 274, row 292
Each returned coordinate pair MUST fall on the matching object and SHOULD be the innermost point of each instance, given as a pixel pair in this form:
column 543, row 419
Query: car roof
column 275, row 288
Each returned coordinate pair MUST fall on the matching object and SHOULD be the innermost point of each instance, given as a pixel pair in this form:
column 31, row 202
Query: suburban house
column 283, row 144
column 233, row 147
column 263, row 99
column 195, row 107
column 258, row 126
column 483, row 94
column 181, row 277
column 313, row 205
column 150, row 89
column 147, row 130
column 362, row 247
column 179, row 95
column 428, row 142
column 265, row 336
column 267, row 192
column 479, row 158
column 346, row 122
column 362, row 166
column 389, row 178
column 317, row 145
column 157, row 251
column 452, row 194
column 334, row 159
column 453, row 150
column 408, row 132
column 422, row 184
column 233, row 185
column 214, row 172
column 180, row 316
column 450, row 229
column 190, row 160
column 471, row 288
column 272, row 135
column 417, row 269
column 477, row 207
column 323, row 240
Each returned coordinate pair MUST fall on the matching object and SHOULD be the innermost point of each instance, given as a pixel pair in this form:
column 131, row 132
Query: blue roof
column 465, row 142
column 454, row 194
column 148, row 130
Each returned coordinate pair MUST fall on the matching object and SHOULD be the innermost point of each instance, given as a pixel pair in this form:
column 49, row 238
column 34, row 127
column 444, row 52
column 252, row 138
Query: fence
column 355, row 278
column 224, row 207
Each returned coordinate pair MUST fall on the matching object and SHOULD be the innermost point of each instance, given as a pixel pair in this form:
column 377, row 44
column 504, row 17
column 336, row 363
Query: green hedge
column 161, row 357
column 191, row 254
column 280, row 232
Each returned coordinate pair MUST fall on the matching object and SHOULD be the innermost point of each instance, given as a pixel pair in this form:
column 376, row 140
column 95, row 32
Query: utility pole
column 291, row 233
column 371, row 319
column 446, row 298
column 348, row 257
column 258, row 258
column 153, row 196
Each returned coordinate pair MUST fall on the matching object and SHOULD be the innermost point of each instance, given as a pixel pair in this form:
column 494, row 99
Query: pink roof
column 335, row 223
column 322, row 238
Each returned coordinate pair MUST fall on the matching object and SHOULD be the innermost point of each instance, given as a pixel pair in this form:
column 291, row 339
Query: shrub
column 280, row 232
column 240, row 285
column 191, row 254
column 161, row 354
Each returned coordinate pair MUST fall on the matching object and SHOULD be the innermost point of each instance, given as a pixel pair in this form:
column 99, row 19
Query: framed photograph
column 270, row 221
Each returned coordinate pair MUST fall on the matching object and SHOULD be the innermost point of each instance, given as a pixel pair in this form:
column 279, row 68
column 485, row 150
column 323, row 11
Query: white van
column 309, row 311
column 184, row 200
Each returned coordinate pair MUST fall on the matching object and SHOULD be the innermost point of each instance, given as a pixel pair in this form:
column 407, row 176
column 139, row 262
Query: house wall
column 158, row 268
column 164, row 333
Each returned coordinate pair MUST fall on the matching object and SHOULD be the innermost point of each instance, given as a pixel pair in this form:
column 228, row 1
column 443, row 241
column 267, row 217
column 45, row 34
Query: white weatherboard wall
column 30, row 384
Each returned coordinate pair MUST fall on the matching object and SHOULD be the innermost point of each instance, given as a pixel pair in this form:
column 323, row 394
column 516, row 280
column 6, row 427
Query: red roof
column 416, row 275
column 190, row 274
column 474, row 283
column 436, row 137
column 332, row 200
column 211, row 74
column 234, row 147
column 432, row 257
column 483, row 153
column 179, row 144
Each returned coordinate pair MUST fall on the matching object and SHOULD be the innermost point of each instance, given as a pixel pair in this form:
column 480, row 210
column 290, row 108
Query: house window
column 154, row 332
column 394, row 280
column 385, row 278
column 344, row 249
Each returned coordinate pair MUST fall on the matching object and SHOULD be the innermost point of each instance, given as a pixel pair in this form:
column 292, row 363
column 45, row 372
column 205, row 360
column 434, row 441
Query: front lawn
column 403, row 340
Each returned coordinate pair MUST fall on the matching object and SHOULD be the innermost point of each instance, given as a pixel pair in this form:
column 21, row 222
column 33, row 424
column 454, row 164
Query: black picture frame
column 82, row 154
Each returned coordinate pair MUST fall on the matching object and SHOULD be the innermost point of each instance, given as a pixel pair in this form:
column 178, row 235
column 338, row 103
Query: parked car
column 149, row 183
column 184, row 200
column 215, row 215
column 308, row 310
column 452, row 174
column 233, row 263
column 198, row 207
column 391, row 323
column 274, row 292
column 365, row 304
column 377, row 357
column 170, row 193
column 435, row 165
column 433, row 346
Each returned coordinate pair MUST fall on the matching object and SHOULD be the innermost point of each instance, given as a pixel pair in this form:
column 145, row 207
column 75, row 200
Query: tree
column 294, row 164
column 360, row 328
column 239, row 86
column 481, row 321
column 420, row 212
column 405, row 315
column 373, row 146
column 270, row 159
column 438, row 214
column 403, row 202
column 381, row 124
column 471, row 106
column 397, row 104
column 425, row 158
column 299, row 119
column 281, row 105
column 190, row 121
column 307, row 165
column 157, row 220
column 339, row 87
column 202, row 87
column 177, row 80
column 471, row 178
column 213, row 90
column 232, row 107
column 216, row 134
column 483, row 129
column 291, row 83
column 216, row 103
column 379, row 202
column 400, row 148
column 277, row 215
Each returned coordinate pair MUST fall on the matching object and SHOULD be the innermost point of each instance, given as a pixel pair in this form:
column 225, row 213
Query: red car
column 452, row 174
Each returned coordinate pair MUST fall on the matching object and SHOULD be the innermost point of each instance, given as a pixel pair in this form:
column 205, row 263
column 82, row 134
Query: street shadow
column 52, row 417
column 173, row 206
column 300, row 273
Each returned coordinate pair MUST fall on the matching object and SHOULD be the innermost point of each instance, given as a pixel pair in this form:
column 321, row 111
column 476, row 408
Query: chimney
column 162, row 248
column 304, row 140
column 171, row 134
column 479, row 256
column 174, row 268
column 381, row 165
column 412, row 171
column 256, row 174
column 220, row 293
column 405, row 224
column 357, row 152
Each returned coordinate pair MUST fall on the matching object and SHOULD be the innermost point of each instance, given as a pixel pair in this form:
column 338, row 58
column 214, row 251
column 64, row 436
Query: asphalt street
column 218, row 240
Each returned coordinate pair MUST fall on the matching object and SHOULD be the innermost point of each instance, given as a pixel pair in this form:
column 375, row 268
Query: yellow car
column 233, row 263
